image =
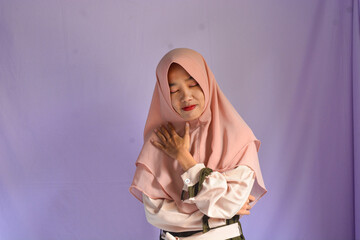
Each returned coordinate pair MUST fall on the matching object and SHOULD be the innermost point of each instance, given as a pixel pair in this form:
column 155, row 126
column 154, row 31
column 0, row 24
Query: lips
column 189, row 108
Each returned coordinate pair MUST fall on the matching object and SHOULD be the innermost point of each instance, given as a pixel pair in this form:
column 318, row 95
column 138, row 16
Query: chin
column 190, row 118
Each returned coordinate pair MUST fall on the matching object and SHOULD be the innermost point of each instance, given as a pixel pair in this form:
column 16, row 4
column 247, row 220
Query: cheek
column 174, row 102
column 200, row 95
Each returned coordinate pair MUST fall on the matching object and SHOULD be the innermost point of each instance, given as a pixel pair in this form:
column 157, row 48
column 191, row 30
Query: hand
column 245, row 209
column 171, row 143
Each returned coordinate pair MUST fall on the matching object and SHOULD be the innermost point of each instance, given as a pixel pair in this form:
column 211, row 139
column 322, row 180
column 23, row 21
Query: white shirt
column 221, row 197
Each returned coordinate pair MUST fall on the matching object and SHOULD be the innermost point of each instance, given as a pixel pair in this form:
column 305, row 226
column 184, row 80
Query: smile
column 189, row 108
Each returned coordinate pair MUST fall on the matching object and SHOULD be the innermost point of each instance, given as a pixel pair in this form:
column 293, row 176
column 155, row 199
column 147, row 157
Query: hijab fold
column 219, row 138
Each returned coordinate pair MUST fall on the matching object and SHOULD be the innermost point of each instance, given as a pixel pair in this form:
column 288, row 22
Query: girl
column 196, row 186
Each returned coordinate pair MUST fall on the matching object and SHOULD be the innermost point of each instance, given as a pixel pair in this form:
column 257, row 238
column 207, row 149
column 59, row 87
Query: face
column 187, row 97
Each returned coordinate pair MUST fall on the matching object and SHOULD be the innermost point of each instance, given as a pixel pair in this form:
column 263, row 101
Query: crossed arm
column 222, row 196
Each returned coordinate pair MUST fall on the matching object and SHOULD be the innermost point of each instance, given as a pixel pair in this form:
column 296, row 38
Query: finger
column 243, row 212
column 165, row 132
column 252, row 198
column 187, row 134
column 172, row 129
column 160, row 135
column 157, row 144
column 248, row 206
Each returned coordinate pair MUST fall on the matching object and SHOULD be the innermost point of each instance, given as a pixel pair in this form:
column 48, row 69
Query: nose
column 187, row 95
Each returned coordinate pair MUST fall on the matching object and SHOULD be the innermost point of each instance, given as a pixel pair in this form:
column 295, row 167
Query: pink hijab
column 220, row 142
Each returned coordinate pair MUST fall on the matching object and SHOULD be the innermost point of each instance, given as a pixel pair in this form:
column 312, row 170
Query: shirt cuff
column 191, row 176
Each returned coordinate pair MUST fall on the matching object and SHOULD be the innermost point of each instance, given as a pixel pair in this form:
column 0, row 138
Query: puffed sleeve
column 217, row 195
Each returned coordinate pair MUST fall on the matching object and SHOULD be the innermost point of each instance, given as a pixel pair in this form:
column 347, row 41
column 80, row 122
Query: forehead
column 177, row 73
column 176, row 70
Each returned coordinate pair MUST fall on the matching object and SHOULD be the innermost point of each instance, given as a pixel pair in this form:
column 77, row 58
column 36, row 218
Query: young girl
column 198, row 171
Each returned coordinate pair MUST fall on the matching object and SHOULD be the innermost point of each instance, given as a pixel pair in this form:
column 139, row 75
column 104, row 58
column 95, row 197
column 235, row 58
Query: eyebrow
column 173, row 84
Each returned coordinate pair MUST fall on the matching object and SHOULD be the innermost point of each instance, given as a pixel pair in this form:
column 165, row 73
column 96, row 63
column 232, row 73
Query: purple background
column 76, row 81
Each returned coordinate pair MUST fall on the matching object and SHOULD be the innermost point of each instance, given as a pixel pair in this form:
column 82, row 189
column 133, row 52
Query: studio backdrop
column 76, row 81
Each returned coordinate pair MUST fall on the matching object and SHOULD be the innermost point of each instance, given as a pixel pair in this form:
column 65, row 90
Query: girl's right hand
column 245, row 209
